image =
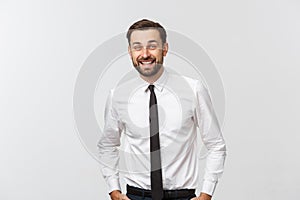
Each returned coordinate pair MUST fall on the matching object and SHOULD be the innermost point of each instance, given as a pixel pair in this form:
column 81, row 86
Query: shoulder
column 125, row 88
column 185, row 82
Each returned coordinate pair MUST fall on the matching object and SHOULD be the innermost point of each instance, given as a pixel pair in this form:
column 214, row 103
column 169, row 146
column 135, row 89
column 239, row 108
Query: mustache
column 146, row 59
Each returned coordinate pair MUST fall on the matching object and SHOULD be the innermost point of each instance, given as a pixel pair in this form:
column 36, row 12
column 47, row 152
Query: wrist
column 205, row 196
column 115, row 194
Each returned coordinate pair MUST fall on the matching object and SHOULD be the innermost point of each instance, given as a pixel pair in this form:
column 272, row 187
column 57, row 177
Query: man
column 158, row 113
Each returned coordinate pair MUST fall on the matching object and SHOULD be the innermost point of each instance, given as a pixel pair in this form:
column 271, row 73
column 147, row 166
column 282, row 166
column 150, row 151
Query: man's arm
column 213, row 140
column 108, row 146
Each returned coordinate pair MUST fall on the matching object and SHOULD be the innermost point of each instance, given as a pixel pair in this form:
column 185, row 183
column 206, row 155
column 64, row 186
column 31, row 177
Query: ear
column 129, row 51
column 165, row 48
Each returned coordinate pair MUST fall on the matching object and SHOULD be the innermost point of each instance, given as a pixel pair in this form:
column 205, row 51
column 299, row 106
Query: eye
column 137, row 47
column 152, row 46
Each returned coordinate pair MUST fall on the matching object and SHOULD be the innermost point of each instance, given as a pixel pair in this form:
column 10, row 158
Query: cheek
column 157, row 54
column 134, row 56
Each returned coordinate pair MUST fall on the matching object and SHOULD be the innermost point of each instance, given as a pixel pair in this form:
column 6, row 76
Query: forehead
column 143, row 36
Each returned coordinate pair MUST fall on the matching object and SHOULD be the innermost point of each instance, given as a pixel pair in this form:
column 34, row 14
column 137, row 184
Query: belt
column 168, row 194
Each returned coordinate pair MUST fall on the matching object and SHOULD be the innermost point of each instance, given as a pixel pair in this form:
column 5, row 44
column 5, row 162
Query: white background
column 254, row 44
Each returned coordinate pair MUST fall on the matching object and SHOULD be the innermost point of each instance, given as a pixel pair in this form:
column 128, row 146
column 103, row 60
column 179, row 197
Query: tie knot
column 151, row 88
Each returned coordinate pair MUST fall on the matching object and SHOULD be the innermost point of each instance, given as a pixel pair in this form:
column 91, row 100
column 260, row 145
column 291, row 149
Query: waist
column 168, row 194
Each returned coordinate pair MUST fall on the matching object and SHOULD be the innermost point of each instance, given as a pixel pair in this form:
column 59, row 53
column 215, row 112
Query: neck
column 152, row 79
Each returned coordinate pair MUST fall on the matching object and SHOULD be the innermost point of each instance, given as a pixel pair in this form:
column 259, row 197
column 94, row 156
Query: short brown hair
column 146, row 24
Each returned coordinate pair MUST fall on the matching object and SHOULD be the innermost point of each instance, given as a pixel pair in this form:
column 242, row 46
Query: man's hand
column 203, row 196
column 117, row 195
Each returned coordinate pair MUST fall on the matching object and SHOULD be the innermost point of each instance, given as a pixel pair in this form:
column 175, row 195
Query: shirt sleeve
column 212, row 138
column 108, row 146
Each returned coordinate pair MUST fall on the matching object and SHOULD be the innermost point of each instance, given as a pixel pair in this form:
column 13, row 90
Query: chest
column 175, row 112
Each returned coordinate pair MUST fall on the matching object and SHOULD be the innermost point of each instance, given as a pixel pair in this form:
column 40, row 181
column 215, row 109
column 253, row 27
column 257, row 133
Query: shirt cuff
column 113, row 185
column 208, row 187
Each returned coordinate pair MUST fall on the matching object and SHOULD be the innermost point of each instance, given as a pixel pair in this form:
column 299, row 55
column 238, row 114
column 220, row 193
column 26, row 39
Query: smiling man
column 158, row 113
column 147, row 51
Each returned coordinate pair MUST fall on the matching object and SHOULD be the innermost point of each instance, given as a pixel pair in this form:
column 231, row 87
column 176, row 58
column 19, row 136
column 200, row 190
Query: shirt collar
column 159, row 83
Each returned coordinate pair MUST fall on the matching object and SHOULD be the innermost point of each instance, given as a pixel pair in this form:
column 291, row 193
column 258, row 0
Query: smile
column 147, row 62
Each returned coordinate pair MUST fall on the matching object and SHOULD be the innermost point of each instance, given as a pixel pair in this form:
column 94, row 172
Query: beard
column 148, row 72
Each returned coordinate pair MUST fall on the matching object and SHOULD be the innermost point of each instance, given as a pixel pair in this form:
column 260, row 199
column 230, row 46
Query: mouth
column 146, row 62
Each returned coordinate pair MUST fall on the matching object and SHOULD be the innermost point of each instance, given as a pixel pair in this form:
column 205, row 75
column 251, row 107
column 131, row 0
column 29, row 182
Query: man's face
column 147, row 51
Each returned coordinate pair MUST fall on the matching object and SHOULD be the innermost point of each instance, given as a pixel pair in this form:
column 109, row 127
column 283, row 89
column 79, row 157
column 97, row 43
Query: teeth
column 146, row 63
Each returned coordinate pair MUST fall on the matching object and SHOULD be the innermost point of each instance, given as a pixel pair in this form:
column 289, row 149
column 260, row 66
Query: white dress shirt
column 183, row 105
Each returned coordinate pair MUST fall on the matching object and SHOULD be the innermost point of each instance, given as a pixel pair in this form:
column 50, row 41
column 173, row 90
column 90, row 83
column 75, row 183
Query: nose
column 145, row 52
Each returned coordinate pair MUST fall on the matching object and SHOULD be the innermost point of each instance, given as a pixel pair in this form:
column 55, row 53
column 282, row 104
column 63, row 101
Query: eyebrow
column 136, row 43
column 150, row 41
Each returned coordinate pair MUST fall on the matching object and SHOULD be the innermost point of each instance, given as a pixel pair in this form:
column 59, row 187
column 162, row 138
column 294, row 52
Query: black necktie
column 156, row 175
